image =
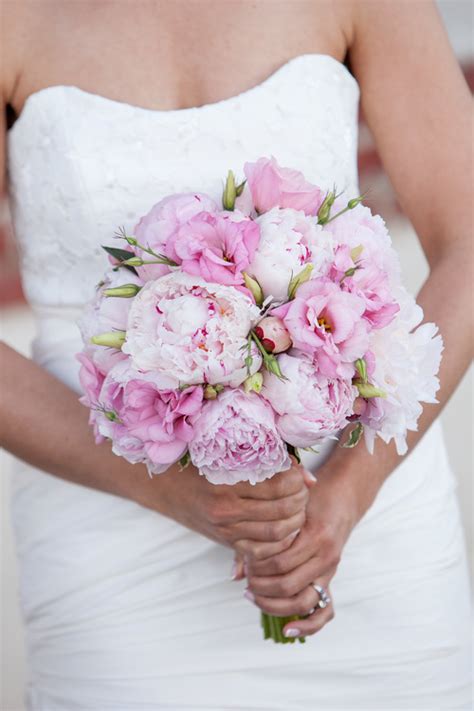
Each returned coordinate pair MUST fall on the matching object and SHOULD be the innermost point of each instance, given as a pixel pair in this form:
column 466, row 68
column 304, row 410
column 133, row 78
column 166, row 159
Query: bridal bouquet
column 235, row 336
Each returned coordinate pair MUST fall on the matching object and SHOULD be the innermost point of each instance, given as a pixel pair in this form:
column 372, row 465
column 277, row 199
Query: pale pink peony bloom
column 105, row 314
column 156, row 229
column 310, row 407
column 359, row 227
column 188, row 331
column 406, row 359
column 273, row 334
column 91, row 380
column 146, row 424
column 326, row 322
column 216, row 247
column 271, row 185
column 289, row 240
column 235, row 439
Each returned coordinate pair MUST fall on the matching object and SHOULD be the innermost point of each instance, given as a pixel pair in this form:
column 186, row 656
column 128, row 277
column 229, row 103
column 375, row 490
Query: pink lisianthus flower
column 185, row 330
column 310, row 407
column 235, row 439
column 326, row 323
column 156, row 229
column 146, row 424
column 274, row 186
column 365, row 279
column 215, row 247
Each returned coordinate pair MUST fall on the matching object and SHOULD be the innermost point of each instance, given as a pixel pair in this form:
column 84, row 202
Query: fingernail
column 233, row 572
column 292, row 632
column 249, row 595
column 295, row 533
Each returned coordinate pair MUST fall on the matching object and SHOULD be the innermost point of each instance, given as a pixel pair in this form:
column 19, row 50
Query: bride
column 126, row 586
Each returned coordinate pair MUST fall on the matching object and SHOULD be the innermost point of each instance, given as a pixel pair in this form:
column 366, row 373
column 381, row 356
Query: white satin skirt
column 127, row 610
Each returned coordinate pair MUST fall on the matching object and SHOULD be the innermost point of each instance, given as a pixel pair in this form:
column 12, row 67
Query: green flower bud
column 111, row 415
column 254, row 287
column 366, row 390
column 272, row 365
column 253, row 383
column 361, row 367
column 126, row 291
column 299, row 279
column 132, row 262
column 185, row 460
column 210, row 393
column 240, row 188
column 354, row 202
column 131, row 240
column 111, row 339
column 325, row 208
column 230, row 192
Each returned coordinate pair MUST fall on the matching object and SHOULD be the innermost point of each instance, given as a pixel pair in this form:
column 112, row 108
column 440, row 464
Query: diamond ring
column 324, row 598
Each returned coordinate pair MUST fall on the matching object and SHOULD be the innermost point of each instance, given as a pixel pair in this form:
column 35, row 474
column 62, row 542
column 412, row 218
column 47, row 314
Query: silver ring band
column 324, row 599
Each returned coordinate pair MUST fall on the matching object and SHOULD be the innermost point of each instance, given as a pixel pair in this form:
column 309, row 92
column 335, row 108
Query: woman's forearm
column 446, row 301
column 43, row 423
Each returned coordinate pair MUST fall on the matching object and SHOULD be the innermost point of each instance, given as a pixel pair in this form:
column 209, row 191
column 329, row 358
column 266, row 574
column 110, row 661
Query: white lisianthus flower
column 289, row 240
column 407, row 359
column 188, row 331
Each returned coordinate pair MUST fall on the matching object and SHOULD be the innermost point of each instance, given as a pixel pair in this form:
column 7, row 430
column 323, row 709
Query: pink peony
column 274, row 186
column 91, row 380
column 310, row 407
column 326, row 322
column 187, row 331
column 215, row 247
column 156, row 229
column 235, row 439
column 289, row 240
column 146, row 424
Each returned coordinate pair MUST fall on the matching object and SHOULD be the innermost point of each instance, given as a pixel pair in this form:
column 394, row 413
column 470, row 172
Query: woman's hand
column 255, row 520
column 281, row 585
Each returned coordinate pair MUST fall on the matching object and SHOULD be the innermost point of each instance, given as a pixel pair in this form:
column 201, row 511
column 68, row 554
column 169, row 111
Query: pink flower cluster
column 232, row 336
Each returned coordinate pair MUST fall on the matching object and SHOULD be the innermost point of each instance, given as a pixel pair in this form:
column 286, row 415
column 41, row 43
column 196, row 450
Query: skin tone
column 419, row 110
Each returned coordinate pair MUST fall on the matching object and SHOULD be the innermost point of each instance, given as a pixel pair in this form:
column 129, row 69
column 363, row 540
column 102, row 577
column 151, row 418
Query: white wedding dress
column 126, row 609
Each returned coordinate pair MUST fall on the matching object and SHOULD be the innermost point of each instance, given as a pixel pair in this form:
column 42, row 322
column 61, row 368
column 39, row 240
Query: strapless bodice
column 81, row 165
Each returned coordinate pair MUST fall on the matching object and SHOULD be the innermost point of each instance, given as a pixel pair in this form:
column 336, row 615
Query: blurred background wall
column 17, row 329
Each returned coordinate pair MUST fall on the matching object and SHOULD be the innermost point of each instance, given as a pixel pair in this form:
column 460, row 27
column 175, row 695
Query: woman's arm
column 419, row 109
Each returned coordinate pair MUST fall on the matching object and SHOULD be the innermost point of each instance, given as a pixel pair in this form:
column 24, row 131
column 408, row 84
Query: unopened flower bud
column 132, row 241
column 126, row 291
column 301, row 278
column 210, row 392
column 366, row 390
column 111, row 339
column 356, row 252
column 361, row 367
column 253, row 383
column 240, row 188
column 254, row 287
column 230, row 192
column 354, row 202
column 325, row 208
column 273, row 335
column 133, row 262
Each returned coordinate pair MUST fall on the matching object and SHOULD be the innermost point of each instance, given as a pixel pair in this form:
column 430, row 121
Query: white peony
column 407, row 361
column 289, row 240
column 189, row 331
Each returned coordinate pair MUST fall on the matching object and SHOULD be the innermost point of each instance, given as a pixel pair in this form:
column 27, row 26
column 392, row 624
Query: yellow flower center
column 324, row 324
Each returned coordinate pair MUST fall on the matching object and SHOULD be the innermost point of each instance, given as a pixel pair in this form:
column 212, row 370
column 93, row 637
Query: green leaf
column 185, row 460
column 354, row 436
column 121, row 255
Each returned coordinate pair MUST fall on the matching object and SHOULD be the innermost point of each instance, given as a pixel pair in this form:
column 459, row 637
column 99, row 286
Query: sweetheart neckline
column 280, row 71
